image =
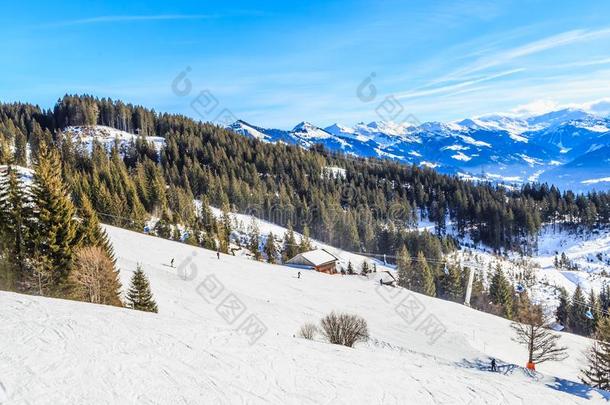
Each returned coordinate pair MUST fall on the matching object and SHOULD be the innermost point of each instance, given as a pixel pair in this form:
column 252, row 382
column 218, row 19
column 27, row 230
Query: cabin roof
column 316, row 257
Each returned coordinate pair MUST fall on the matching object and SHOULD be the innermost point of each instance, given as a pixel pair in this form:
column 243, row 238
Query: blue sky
column 275, row 63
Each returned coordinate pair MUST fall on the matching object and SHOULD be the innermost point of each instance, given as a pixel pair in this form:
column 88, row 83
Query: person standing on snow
column 299, row 274
column 493, row 365
column 218, row 254
column 172, row 263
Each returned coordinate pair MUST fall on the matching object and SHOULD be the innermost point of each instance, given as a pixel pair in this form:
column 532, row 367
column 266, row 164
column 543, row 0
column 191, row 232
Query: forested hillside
column 369, row 208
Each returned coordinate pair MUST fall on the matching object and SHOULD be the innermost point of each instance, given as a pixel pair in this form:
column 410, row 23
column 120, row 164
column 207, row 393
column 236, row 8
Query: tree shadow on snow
column 485, row 365
column 559, row 384
column 578, row 389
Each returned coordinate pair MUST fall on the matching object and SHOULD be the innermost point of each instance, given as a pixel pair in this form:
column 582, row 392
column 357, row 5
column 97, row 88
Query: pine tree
column 6, row 156
column 451, row 284
column 90, row 232
column 597, row 373
column 405, row 269
column 14, row 214
column 224, row 229
column 163, row 227
column 561, row 314
column 139, row 296
column 365, row 268
column 577, row 320
column 270, row 248
column 254, row 240
column 20, row 149
column 290, row 245
column 604, row 297
column 55, row 228
column 305, row 244
column 350, row 268
column 423, row 279
column 501, row 292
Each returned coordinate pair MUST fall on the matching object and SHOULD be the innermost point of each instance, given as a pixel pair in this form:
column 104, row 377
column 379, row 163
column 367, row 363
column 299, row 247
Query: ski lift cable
column 368, row 254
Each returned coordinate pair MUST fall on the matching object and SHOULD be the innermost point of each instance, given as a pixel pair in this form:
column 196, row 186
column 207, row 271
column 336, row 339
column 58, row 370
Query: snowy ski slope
column 56, row 351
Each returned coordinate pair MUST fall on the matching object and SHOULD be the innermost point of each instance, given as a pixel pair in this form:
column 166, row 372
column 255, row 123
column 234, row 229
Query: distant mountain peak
column 308, row 130
column 507, row 147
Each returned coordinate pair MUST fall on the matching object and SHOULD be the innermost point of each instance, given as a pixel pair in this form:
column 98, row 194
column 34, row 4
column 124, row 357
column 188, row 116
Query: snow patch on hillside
column 25, row 174
column 334, row 172
column 107, row 136
column 590, row 251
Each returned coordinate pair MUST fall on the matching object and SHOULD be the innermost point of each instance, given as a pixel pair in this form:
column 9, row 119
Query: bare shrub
column 93, row 277
column 308, row 331
column 344, row 329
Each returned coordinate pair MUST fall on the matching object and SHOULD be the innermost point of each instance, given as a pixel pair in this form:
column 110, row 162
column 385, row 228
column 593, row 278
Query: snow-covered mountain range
column 569, row 147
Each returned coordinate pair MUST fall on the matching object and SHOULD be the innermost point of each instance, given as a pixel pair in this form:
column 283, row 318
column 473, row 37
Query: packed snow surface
column 195, row 350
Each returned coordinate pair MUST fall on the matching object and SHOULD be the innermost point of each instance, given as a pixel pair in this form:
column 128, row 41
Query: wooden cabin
column 318, row 260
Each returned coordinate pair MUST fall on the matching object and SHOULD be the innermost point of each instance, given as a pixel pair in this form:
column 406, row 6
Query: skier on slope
column 299, row 274
column 172, row 262
column 493, row 365
column 218, row 254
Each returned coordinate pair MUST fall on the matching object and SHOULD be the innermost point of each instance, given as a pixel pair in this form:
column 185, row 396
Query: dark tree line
column 49, row 247
column 366, row 210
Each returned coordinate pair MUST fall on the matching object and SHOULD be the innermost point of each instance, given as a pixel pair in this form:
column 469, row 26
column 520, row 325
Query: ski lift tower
column 469, row 286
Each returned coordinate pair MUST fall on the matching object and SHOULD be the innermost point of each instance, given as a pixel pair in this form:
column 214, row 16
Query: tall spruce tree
column 290, row 244
column 14, row 214
column 270, row 248
column 597, row 371
column 90, row 232
column 561, row 314
column 224, row 229
column 577, row 319
column 451, row 284
column 305, row 244
column 254, row 240
column 423, row 278
column 54, row 228
column 501, row 292
column 139, row 295
column 6, row 156
column 405, row 268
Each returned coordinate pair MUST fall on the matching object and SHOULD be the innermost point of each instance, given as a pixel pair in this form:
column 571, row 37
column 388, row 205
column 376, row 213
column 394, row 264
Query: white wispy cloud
column 584, row 63
column 551, row 42
column 457, row 86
